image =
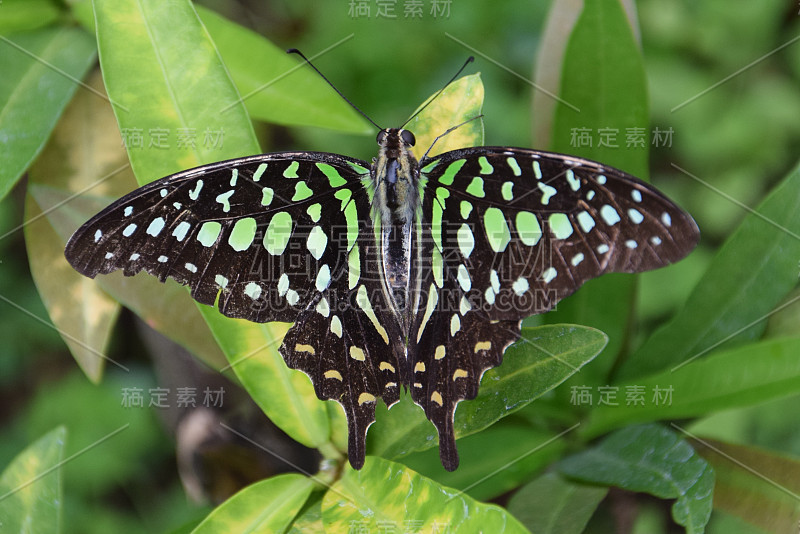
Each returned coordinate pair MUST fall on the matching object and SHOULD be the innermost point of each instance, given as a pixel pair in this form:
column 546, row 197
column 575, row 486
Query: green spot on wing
column 436, row 225
column 475, row 188
column 466, row 209
column 259, row 172
column 438, row 267
column 314, row 211
column 560, row 225
column 528, row 228
column 486, row 167
column 450, row 172
column 351, row 216
column 291, row 170
column 430, row 166
column 266, row 196
column 278, row 233
column 209, row 233
column 301, row 192
column 334, row 178
column 507, row 190
column 243, row 233
column 358, row 168
column 497, row 231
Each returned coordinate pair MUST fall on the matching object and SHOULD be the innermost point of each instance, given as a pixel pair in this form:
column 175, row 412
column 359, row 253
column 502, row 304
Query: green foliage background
column 720, row 328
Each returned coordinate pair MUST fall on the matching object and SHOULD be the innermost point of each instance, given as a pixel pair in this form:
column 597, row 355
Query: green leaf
column 275, row 87
column 655, row 460
column 731, row 305
column 84, row 323
column 266, row 506
column 553, row 505
column 459, row 102
column 757, row 486
column 603, row 88
column 26, row 15
column 41, row 72
column 30, row 487
column 151, row 73
column 384, row 494
column 743, row 376
column 309, row 521
column 95, row 162
column 541, row 360
column 489, row 469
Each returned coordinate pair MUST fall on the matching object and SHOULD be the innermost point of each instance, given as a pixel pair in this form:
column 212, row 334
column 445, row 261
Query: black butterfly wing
column 511, row 232
column 254, row 234
column 277, row 237
column 347, row 343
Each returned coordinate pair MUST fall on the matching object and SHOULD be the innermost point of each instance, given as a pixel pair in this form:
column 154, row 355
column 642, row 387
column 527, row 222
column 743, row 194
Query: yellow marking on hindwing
column 365, row 397
column 357, row 354
column 333, row 374
column 304, row 348
column 386, row 366
column 363, row 302
column 460, row 373
column 437, row 398
column 420, row 367
column 483, row 345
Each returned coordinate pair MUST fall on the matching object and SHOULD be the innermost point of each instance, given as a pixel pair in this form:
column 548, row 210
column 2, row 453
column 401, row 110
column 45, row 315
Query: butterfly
column 397, row 273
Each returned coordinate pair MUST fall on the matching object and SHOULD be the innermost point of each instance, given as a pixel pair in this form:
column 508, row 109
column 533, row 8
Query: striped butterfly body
column 397, row 273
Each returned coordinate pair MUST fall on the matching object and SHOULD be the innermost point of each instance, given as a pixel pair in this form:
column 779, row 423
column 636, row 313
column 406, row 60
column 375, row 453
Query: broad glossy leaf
column 267, row 506
column 25, row 15
column 654, row 460
column 560, row 22
column 310, row 519
column 30, row 487
column 95, row 162
column 276, row 87
column 493, row 461
column 33, row 94
column 83, row 314
column 553, row 505
column 151, row 72
column 387, row 494
column 603, row 77
column 460, row 101
column 755, row 485
column 743, row 376
column 731, row 305
column 541, row 360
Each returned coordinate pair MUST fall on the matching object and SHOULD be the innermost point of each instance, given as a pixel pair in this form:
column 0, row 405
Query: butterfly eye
column 381, row 139
column 408, row 138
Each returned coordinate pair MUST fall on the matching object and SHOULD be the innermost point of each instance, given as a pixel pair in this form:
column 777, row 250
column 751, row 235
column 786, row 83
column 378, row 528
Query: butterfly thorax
column 395, row 173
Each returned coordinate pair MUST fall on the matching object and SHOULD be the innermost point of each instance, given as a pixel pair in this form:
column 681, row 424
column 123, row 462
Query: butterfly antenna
column 299, row 53
column 469, row 60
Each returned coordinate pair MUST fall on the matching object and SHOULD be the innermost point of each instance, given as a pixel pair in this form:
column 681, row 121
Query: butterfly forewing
column 259, row 234
column 530, row 227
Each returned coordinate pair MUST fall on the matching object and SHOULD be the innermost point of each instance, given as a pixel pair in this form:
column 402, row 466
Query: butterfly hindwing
column 343, row 341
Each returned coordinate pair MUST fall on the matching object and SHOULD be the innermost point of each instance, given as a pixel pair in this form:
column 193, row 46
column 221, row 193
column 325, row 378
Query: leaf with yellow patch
column 460, row 101
column 384, row 494
column 30, row 487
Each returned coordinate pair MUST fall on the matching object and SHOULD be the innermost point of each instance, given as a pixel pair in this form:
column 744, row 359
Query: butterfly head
column 395, row 172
